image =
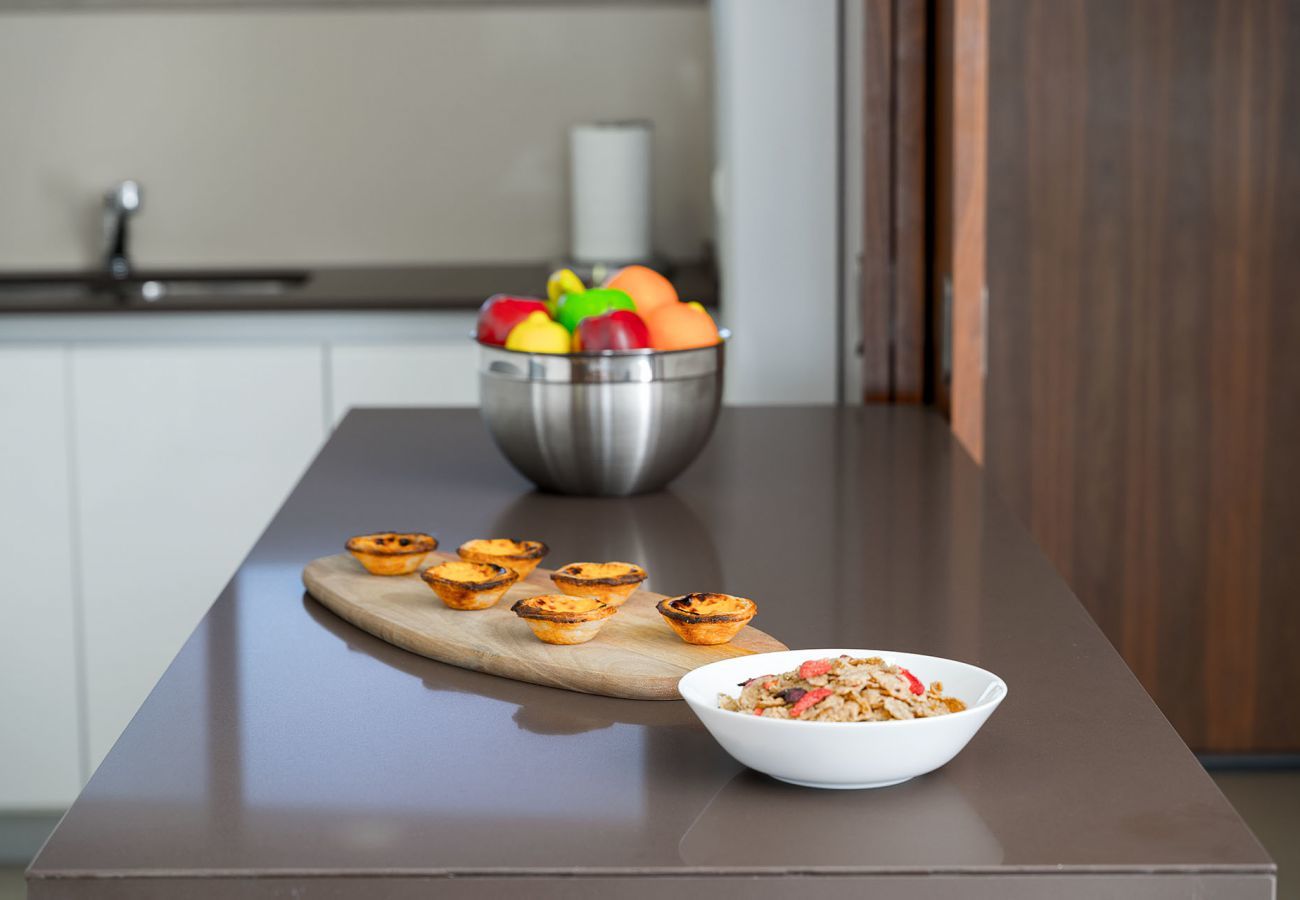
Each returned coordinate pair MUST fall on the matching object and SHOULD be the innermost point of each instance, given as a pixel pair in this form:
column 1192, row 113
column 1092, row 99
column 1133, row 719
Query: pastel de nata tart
column 612, row 582
column 392, row 552
column 520, row 557
column 561, row 619
column 469, row 585
column 707, row 618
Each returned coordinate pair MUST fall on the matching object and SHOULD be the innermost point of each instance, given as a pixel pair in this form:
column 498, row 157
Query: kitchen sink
column 147, row 286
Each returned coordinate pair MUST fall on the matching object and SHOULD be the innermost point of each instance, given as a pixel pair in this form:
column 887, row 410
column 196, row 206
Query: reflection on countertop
column 534, row 711
column 905, row 823
column 659, row 532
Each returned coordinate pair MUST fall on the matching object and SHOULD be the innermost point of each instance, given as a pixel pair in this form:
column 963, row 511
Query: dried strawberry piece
column 816, row 695
column 814, row 667
column 914, row 683
column 759, row 711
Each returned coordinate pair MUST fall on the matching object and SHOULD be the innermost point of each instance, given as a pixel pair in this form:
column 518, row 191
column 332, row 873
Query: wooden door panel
column 895, row 282
column 1142, row 394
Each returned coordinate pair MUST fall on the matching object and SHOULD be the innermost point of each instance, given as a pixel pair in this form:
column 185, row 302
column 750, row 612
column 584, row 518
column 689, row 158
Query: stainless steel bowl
column 601, row 424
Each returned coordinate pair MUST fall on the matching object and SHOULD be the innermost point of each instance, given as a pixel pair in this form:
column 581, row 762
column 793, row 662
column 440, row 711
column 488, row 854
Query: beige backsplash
column 341, row 136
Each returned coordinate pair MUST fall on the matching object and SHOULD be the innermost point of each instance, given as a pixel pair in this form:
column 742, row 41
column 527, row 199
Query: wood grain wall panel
column 942, row 203
column 878, row 213
column 911, row 289
column 895, row 313
column 1142, row 398
column 959, row 213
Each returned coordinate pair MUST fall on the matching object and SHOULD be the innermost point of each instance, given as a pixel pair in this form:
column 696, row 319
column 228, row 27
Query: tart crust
column 612, row 582
column 705, row 618
column 561, row 619
column 392, row 552
column 469, row 585
column 518, row 556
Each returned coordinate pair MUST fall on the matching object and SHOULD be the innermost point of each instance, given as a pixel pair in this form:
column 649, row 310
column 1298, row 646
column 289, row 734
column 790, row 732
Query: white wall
column 334, row 136
column 777, row 134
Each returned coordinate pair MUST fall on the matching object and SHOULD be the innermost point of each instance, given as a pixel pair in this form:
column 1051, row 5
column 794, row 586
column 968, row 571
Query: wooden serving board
column 635, row 655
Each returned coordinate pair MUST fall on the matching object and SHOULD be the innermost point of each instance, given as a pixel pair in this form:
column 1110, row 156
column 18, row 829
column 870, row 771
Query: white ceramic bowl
column 842, row 754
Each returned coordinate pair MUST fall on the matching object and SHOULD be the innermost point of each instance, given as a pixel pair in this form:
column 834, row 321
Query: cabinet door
column 183, row 454
column 38, row 661
column 429, row 373
column 1143, row 392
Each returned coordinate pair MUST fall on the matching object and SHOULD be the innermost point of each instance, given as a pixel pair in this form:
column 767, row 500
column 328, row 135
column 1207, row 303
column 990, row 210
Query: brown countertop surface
column 286, row 753
column 317, row 288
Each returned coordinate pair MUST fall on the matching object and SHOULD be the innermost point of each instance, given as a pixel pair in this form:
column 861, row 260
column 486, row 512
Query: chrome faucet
column 120, row 202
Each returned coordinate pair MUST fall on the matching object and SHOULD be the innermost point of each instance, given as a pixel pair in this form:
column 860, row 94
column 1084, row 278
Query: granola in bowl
column 825, row 746
column 842, row 689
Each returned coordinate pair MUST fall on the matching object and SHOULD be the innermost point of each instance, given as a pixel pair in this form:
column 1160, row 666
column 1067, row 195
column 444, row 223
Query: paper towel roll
column 610, row 191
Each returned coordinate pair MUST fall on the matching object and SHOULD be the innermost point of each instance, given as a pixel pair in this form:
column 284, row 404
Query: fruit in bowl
column 647, row 288
column 561, row 282
column 618, row 329
column 635, row 309
column 617, row 416
column 538, row 334
column 500, row 313
column 573, row 308
column 681, row 326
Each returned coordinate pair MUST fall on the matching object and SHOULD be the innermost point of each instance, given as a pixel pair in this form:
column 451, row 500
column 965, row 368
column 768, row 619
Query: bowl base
column 843, row 787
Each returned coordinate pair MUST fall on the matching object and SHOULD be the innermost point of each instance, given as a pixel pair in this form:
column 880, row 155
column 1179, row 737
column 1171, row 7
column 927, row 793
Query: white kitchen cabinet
column 140, row 458
column 423, row 373
column 183, row 453
column 39, row 731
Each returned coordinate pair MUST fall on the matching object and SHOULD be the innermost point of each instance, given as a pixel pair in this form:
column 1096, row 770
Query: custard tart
column 520, row 557
column 469, row 585
column 612, row 582
column 391, row 552
column 707, row 618
column 559, row 619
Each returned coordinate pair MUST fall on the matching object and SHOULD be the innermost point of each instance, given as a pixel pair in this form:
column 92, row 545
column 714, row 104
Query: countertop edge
column 1172, row 870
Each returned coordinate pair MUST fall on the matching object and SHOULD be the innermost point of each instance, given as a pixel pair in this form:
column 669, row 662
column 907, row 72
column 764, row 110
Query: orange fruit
column 647, row 288
column 681, row 326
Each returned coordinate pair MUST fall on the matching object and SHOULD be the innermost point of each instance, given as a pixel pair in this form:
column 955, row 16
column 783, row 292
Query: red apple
column 617, row 329
column 501, row 312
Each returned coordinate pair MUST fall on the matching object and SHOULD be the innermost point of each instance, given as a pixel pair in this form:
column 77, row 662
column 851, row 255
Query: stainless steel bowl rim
column 605, row 366
column 724, row 335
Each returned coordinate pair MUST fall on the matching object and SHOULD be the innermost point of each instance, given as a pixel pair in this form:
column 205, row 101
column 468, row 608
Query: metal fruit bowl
column 611, row 423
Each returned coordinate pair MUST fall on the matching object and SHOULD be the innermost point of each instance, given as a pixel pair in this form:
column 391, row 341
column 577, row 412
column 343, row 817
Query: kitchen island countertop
column 286, row 753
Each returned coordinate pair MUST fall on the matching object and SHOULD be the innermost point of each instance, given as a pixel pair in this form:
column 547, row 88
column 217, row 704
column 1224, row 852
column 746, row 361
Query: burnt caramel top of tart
column 562, row 608
column 504, row 548
column 483, row 576
column 707, row 608
column 392, row 543
column 610, row 573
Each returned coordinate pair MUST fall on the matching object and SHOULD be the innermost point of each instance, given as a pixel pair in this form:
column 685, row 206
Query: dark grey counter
column 433, row 287
column 285, row 751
